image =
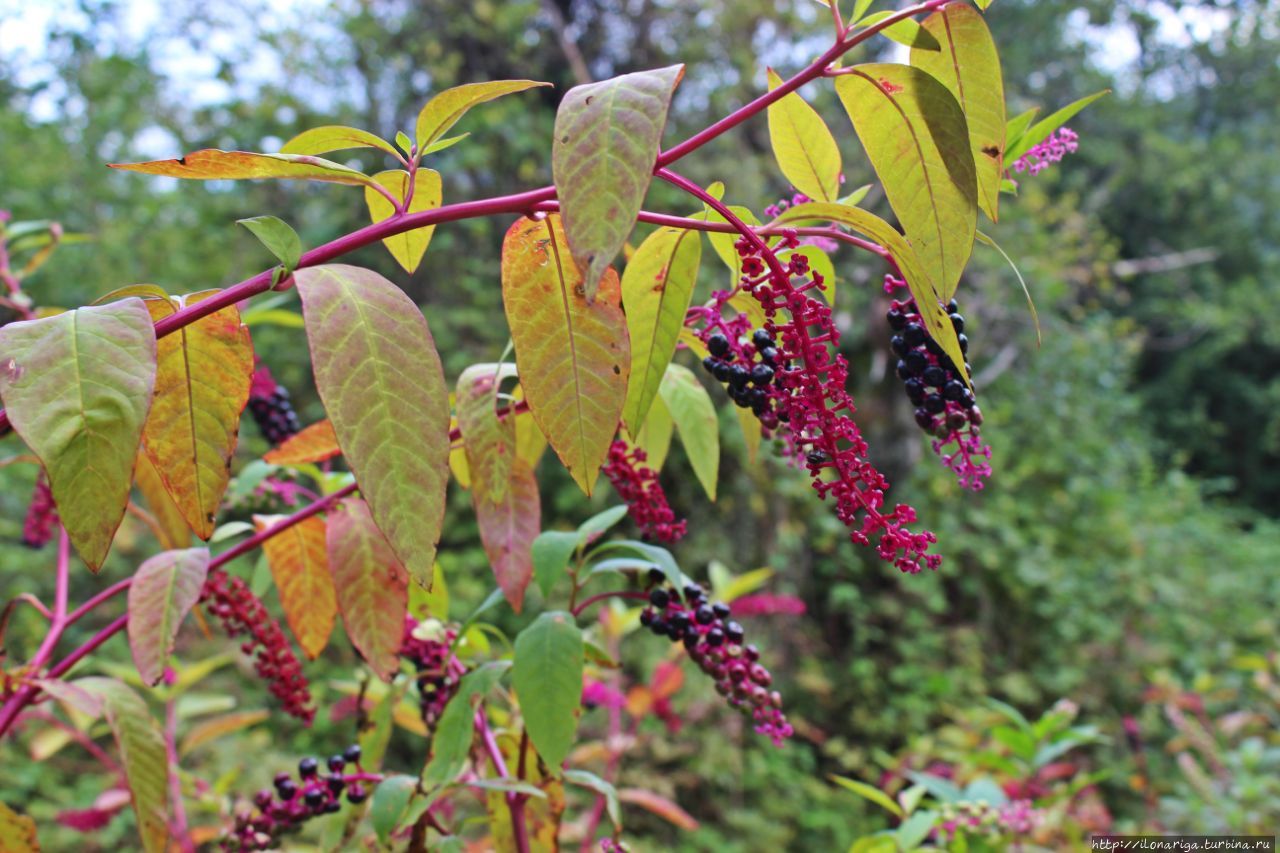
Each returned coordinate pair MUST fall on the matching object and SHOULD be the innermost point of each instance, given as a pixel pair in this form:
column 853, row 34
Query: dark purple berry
column 953, row 307
column 738, row 376
column 313, row 797
column 693, row 593
column 924, row 419
column 718, row 345
column 899, row 345
column 714, row 637
column 733, row 631
column 958, row 322
column 954, row 390
column 722, row 371
column 761, row 339
column 934, row 404
column 336, row 783
column 915, row 391
column 352, row 753
column 913, row 334
column 307, row 767
column 964, row 344
column 935, row 376
column 721, row 610
column 916, row 361
column 336, row 763
column 896, row 319
column 657, row 576
column 646, row 617
column 704, row 615
column 356, row 794
column 762, row 374
column 659, row 598
column 710, row 363
column 769, row 356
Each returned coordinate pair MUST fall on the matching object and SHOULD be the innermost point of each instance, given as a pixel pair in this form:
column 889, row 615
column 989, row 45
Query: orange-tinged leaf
column 316, row 443
column 574, row 357
column 916, row 137
column 211, row 164
column 17, row 832
column 372, row 587
column 77, row 388
column 509, row 523
column 335, row 137
column 803, row 145
column 203, row 374
column 602, row 157
column 174, row 530
column 382, row 384
column 208, row 731
column 490, row 441
column 409, row 247
column 164, row 590
column 445, row 109
column 299, row 565
column 969, row 66
column 659, row 805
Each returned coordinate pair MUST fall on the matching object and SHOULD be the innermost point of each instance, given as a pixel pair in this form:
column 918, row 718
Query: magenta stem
column 515, row 800
column 177, row 811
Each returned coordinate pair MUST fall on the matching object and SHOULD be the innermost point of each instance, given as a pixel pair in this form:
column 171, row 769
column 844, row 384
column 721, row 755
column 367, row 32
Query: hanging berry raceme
column 428, row 646
column 291, row 802
column 270, row 406
column 945, row 407
column 42, row 515
column 715, row 643
column 242, row 612
column 808, row 394
column 637, row 484
column 746, row 360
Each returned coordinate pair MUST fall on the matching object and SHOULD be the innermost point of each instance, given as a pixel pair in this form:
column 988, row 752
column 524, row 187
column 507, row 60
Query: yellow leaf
column 409, row 247
column 316, row 443
column 300, row 568
column 803, row 145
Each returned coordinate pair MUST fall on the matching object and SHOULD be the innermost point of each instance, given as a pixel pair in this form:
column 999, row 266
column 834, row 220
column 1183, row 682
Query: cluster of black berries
column 271, row 409
column 715, row 643
column 747, row 371
column 292, row 802
column 428, row 646
column 944, row 404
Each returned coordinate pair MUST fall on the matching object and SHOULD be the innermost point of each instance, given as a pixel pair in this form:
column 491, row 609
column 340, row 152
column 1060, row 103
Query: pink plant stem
column 619, row 593
column 177, row 811
column 515, row 800
column 615, row 754
column 517, row 202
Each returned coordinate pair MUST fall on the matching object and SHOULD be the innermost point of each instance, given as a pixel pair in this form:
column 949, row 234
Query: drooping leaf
column 490, row 441
column 211, row 164
column 928, row 299
column 382, row 384
column 695, row 419
column 17, row 832
column 1031, row 305
column 543, row 809
column 214, row 728
column 654, row 438
column 601, row 522
column 335, row 137
column 443, row 111
column 602, row 157
column 370, row 584
column 547, row 675
column 316, row 443
column 508, row 525
column 907, row 31
column 803, row 145
column 202, row 384
column 551, row 553
column 278, row 236
column 969, row 66
column 174, row 530
column 452, row 739
column 601, row 787
column 657, row 287
column 409, row 247
column 530, row 442
column 659, row 805
column 574, row 357
column 164, row 590
column 916, row 137
column 77, row 387
column 751, row 433
column 1040, row 131
column 388, row 804
column 870, row 793
column 299, row 562
column 143, row 756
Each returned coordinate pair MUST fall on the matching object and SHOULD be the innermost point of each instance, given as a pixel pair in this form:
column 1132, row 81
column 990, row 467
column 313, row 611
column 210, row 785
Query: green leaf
column 452, row 740
column 928, row 300
column 552, row 551
column 695, row 418
column 1018, row 125
column 370, row 584
column 1040, row 131
column 870, row 793
column 600, row 522
column 382, row 384
column 983, row 4
column 906, row 31
column 279, row 238
column 77, row 387
column 507, row 786
column 601, row 787
column 654, row 554
column 274, row 317
column 547, row 675
column 602, row 158
column 969, row 66
column 403, row 140
column 860, row 8
column 441, row 144
column 164, row 590
column 657, row 287
column 942, row 790
column 916, row 137
column 430, row 603
column 142, row 752
column 445, row 109
column 389, row 801
column 375, row 736
column 409, row 247
column 915, row 829
column 654, row 438
column 211, row 164
column 335, row 137
column 1035, row 316
column 802, row 144
column 573, row 356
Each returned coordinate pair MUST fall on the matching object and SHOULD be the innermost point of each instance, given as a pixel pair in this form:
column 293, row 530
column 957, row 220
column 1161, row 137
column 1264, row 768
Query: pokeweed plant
column 146, row 389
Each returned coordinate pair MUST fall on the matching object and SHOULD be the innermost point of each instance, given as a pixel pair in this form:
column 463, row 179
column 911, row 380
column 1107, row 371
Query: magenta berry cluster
column 637, row 484
column 1059, row 144
column 438, row 670
column 716, row 644
column 809, row 395
column 945, row 406
column 42, row 515
column 271, row 409
column 241, row 612
column 295, row 801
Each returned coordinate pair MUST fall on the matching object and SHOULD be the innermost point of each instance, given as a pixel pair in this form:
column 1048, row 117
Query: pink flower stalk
column 439, row 670
column 768, row 604
column 242, row 612
column 597, row 694
column 1059, row 144
column 637, row 484
column 42, row 515
column 809, row 395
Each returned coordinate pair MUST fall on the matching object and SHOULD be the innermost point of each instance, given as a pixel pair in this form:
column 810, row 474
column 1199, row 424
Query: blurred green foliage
column 1127, row 537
